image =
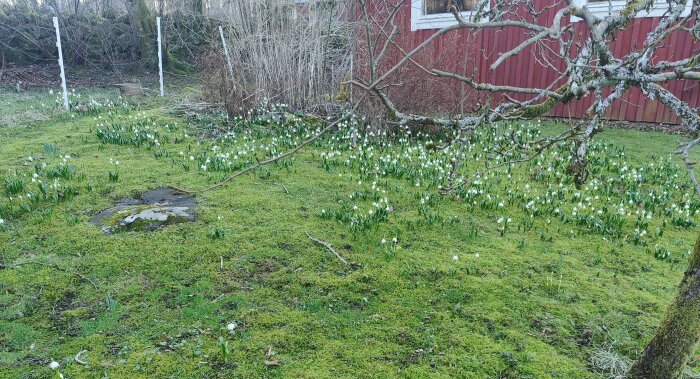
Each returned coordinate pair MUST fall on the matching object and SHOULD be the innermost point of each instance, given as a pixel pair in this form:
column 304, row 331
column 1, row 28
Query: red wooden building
column 471, row 54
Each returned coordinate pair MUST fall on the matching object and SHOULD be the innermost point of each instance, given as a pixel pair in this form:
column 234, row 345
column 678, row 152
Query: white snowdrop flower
column 500, row 220
column 476, row 255
column 54, row 365
column 191, row 157
column 500, row 205
column 455, row 258
column 383, row 241
column 2, row 221
column 394, row 240
column 232, row 326
column 509, row 220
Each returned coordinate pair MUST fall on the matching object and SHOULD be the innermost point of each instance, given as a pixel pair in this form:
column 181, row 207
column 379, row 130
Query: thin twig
column 53, row 266
column 283, row 187
column 327, row 246
column 219, row 297
column 77, row 358
column 276, row 184
column 278, row 157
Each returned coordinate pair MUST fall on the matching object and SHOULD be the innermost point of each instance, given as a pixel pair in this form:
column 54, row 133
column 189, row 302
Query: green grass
column 536, row 300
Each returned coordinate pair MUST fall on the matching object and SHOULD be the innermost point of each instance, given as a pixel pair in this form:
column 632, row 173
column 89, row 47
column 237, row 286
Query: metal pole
column 160, row 58
column 60, row 63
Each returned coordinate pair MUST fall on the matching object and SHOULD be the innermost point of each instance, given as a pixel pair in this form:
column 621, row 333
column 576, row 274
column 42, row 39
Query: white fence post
column 228, row 58
column 60, row 63
column 160, row 58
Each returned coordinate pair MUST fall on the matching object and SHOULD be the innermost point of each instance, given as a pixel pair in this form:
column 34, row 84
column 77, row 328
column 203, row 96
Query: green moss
column 533, row 304
column 541, row 109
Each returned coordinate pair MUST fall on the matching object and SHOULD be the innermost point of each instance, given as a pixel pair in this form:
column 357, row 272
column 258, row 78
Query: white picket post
column 228, row 58
column 60, row 63
column 160, row 58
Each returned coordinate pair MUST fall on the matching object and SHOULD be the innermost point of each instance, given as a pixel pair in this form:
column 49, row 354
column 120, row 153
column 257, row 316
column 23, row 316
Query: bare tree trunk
column 145, row 29
column 667, row 353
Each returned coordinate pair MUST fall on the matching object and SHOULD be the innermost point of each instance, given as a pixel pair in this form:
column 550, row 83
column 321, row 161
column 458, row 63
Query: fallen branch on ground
column 327, row 246
column 259, row 163
column 52, row 266
column 77, row 358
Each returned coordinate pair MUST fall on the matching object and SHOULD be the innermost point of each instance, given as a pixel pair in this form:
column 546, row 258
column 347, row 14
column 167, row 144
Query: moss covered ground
column 518, row 275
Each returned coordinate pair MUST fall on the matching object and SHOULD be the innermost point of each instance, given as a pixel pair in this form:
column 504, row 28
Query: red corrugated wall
column 417, row 91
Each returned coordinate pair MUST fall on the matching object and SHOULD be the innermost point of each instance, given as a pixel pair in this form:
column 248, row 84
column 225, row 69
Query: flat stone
column 152, row 210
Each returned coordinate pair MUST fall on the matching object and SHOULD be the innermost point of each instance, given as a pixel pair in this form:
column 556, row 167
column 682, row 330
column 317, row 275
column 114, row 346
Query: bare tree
column 591, row 69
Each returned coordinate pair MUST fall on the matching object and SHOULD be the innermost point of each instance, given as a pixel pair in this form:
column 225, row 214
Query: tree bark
column 146, row 32
column 666, row 355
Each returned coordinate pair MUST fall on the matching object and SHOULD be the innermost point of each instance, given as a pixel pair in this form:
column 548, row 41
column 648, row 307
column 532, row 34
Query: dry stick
column 53, row 266
column 276, row 184
column 264, row 162
column 327, row 246
column 283, row 187
column 274, row 159
column 77, row 358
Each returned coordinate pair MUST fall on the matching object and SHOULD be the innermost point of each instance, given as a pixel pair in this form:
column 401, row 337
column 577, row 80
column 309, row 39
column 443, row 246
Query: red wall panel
column 415, row 90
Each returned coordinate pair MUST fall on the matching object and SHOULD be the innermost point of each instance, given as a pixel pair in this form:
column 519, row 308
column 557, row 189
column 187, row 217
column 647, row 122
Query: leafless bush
column 106, row 41
column 285, row 53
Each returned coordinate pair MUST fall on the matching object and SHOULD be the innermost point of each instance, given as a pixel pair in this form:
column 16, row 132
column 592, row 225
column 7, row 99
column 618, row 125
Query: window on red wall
column 440, row 6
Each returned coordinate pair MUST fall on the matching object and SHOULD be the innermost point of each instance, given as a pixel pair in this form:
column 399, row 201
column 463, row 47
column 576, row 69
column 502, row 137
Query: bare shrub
column 286, row 53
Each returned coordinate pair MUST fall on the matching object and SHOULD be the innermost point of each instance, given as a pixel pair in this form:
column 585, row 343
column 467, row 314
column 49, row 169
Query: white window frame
column 603, row 9
column 420, row 21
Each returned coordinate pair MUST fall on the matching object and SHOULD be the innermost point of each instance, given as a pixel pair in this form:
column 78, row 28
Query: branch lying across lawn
column 327, row 246
column 77, row 358
column 284, row 155
column 57, row 267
